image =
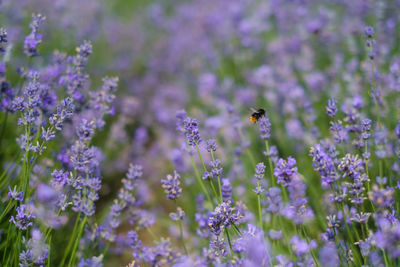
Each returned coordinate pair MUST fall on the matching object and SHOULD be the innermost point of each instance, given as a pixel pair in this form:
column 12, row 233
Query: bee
column 257, row 114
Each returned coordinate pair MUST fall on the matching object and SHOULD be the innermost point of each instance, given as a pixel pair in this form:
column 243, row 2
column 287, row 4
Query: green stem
column 219, row 180
column 312, row 251
column 49, row 252
column 366, row 165
column 237, row 230
column 201, row 158
column 385, row 258
column 373, row 85
column 213, row 188
column 270, row 164
column 151, row 233
column 251, row 157
column 106, row 249
column 229, row 241
column 77, row 240
column 285, row 237
column 7, row 209
column 200, row 181
column 8, row 239
column 205, row 170
column 259, row 207
column 71, row 240
column 181, row 231
column 3, row 130
column 349, row 234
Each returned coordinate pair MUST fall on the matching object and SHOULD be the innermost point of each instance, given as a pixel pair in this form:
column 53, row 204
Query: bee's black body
column 257, row 114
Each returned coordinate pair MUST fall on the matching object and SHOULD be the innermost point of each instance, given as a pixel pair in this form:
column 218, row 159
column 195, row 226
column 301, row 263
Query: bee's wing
column 253, row 110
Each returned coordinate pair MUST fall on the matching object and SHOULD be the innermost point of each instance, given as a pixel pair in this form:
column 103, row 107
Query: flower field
column 199, row 133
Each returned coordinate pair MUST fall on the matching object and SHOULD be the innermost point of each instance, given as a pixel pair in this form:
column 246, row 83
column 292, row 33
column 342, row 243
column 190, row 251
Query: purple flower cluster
column 331, row 109
column 192, row 131
column 265, row 128
column 23, row 219
column 286, row 171
column 172, row 186
column 224, row 216
column 324, row 164
column 34, row 38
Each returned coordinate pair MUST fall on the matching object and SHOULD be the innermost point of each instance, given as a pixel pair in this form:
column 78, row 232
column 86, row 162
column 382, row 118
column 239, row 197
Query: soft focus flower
column 331, row 109
column 34, row 38
column 265, row 128
column 285, row 171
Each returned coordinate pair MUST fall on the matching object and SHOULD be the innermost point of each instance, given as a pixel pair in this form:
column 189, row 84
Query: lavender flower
column 323, row 163
column 211, row 145
column 36, row 251
column 386, row 236
column 397, row 130
column 14, row 194
column 300, row 247
column 134, row 243
column 160, row 255
column 216, row 168
column 369, row 31
column 34, row 38
column 179, row 215
column 328, row 255
column 218, row 247
column 3, row 40
column 206, row 176
column 297, row 209
column 253, row 248
column 226, row 190
column 331, row 109
column 96, row 261
column 275, row 234
column 124, row 201
column 23, row 219
column 172, row 186
column 274, row 199
column 365, row 128
column 6, row 93
column 340, row 133
column 180, row 119
column 351, row 166
column 273, row 153
column 192, row 131
column 285, row 171
column 64, row 111
column 265, row 128
column 382, row 197
column 224, row 216
column 260, row 170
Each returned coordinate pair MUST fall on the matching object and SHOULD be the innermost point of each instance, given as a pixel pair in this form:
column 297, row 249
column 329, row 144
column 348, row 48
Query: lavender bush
column 125, row 137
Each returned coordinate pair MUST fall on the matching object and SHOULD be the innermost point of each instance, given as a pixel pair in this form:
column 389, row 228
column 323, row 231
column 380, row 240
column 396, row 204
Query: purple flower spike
column 172, row 186
column 369, row 32
column 14, row 194
column 265, row 128
column 331, row 109
column 192, row 131
column 285, row 171
column 23, row 219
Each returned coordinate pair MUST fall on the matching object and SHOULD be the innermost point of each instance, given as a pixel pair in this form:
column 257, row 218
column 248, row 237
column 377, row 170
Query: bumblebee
column 257, row 114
